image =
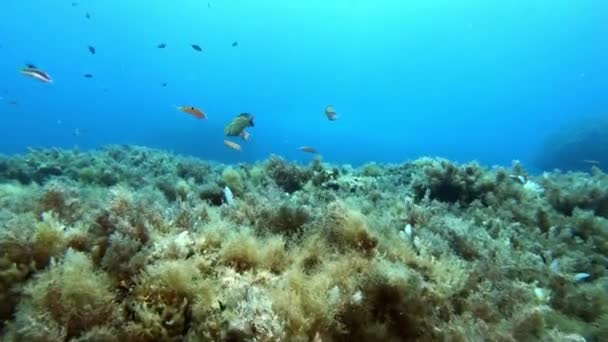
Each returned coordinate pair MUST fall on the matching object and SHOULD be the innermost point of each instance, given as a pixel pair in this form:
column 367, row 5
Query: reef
column 133, row 244
column 576, row 147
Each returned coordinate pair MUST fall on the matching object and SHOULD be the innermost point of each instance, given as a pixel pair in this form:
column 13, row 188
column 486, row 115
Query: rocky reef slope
column 134, row 244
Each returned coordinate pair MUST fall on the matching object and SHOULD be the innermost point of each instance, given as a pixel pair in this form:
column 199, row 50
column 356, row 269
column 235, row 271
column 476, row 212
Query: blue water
column 476, row 79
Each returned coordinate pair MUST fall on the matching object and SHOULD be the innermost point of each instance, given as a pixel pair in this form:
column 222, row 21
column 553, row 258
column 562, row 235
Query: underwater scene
column 321, row 170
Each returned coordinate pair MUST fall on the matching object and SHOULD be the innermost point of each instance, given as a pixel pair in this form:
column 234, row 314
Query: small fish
column 592, row 162
column 308, row 149
column 199, row 114
column 245, row 135
column 31, row 71
column 87, row 15
column 197, row 47
column 92, row 49
column 74, row 4
column 235, row 44
column 88, row 75
column 331, row 113
column 164, row 84
column 233, row 145
column 519, row 178
column 77, row 132
column 13, row 102
column 161, row 45
column 221, row 305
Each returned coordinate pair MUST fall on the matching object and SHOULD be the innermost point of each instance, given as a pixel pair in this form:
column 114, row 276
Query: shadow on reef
column 134, row 244
column 576, row 147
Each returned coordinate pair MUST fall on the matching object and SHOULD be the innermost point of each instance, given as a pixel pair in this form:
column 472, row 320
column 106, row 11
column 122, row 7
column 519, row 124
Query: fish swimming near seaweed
column 236, row 127
column 331, row 113
column 199, row 114
column 309, row 149
column 233, row 145
column 33, row 72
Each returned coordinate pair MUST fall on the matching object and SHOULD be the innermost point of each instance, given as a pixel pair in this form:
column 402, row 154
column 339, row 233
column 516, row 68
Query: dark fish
column 164, row 84
column 92, row 49
column 222, row 306
column 308, row 149
column 197, row 47
column 74, row 4
column 87, row 15
column 235, row 44
column 161, row 45
column 88, row 75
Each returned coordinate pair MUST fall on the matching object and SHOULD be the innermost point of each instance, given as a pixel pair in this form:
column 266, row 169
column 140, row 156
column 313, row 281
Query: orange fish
column 199, row 114
column 308, row 149
column 33, row 72
column 233, row 145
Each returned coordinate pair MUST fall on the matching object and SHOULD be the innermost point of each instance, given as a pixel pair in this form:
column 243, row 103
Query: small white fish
column 233, row 145
column 78, row 132
column 554, row 266
column 580, row 277
column 33, row 72
column 228, row 196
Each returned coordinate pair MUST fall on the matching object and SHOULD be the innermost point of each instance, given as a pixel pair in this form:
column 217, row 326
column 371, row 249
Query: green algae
column 130, row 243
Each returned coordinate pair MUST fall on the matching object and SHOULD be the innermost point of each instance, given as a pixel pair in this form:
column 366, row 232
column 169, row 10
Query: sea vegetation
column 133, row 244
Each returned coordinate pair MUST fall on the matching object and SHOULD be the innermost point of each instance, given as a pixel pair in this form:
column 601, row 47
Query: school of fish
column 235, row 128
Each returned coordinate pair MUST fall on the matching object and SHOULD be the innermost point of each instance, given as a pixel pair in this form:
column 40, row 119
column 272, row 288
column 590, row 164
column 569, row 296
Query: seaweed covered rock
column 566, row 192
column 425, row 250
column 288, row 176
column 447, row 182
column 286, row 219
column 65, row 301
